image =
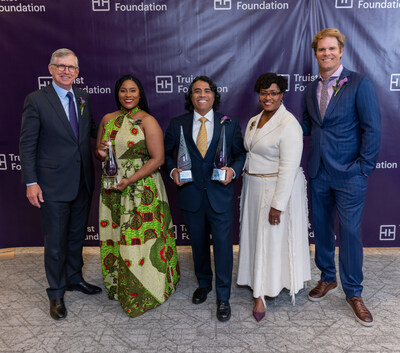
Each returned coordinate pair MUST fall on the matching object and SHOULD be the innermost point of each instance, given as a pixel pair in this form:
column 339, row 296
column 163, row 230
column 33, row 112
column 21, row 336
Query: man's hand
column 175, row 176
column 34, row 195
column 229, row 176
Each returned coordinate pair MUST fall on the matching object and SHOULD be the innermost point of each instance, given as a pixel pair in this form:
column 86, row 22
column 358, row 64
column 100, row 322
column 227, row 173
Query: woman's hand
column 102, row 149
column 274, row 216
column 122, row 185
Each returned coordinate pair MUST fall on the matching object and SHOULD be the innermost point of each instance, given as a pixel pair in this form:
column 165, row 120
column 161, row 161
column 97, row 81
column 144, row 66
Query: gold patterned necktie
column 201, row 141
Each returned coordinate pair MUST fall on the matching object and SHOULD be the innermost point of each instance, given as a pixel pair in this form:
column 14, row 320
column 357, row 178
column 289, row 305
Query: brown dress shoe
column 361, row 313
column 322, row 290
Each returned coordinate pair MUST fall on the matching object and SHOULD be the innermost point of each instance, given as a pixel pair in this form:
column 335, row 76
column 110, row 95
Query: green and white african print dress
column 137, row 241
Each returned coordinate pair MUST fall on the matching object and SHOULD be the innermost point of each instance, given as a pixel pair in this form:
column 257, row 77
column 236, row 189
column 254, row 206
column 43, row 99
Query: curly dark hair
column 142, row 101
column 267, row 79
column 214, row 89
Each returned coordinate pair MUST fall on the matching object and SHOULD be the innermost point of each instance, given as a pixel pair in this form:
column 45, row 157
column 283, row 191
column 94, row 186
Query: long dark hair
column 142, row 101
column 188, row 96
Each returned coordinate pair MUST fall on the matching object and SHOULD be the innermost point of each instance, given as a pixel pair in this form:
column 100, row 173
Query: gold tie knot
column 201, row 141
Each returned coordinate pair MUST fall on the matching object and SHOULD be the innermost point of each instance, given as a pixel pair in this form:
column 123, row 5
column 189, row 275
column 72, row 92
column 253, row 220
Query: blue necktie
column 73, row 120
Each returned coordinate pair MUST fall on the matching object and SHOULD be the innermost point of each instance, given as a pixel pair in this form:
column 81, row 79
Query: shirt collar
column 61, row 92
column 209, row 116
column 336, row 74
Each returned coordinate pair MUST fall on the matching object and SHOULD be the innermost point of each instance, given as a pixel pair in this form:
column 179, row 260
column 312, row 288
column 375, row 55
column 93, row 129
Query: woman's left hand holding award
column 183, row 161
column 110, row 168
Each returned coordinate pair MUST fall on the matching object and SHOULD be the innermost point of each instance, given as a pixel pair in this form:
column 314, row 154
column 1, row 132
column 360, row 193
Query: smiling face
column 202, row 97
column 328, row 56
column 64, row 78
column 270, row 98
column 129, row 95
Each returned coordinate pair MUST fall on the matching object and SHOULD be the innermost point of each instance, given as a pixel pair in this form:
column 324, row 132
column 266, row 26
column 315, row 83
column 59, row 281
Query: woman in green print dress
column 137, row 241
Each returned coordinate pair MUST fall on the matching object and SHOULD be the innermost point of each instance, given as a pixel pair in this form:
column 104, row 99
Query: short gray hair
column 60, row 53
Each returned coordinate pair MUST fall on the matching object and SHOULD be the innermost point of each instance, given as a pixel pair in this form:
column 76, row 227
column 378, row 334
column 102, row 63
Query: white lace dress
column 274, row 257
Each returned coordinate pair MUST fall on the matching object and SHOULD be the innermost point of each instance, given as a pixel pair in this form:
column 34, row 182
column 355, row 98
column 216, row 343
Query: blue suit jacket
column 348, row 139
column 189, row 195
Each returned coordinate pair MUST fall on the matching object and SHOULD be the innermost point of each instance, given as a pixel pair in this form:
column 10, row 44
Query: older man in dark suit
column 57, row 169
column 343, row 118
column 207, row 205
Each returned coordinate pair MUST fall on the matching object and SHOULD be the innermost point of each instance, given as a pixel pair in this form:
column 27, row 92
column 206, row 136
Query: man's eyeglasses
column 270, row 93
column 62, row 67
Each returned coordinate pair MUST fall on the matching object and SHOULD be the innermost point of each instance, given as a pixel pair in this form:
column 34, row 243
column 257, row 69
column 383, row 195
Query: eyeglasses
column 62, row 67
column 270, row 93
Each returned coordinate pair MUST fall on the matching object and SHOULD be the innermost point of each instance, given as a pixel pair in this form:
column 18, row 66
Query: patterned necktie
column 323, row 103
column 73, row 120
column 201, row 141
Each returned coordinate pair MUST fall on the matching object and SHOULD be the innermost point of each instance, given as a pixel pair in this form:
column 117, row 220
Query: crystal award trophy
column 110, row 168
column 220, row 158
column 184, row 161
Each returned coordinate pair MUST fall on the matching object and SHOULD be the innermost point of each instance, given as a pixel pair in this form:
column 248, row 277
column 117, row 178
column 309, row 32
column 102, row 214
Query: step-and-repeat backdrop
column 166, row 44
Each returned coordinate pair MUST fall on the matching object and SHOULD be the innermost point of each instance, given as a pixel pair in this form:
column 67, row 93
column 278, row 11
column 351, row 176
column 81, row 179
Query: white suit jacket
column 276, row 148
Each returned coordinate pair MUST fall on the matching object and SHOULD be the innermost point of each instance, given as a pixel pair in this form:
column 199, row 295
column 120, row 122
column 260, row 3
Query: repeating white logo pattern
column 288, row 80
column 3, row 162
column 164, row 84
column 44, row 81
column 101, row 5
column 222, row 4
column 395, row 82
column 387, row 232
column 344, row 4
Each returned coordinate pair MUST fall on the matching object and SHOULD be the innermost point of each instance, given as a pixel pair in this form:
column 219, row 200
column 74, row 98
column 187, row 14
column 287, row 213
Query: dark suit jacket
column 348, row 139
column 189, row 195
column 49, row 152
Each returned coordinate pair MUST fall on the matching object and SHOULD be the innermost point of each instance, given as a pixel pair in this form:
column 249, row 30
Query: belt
column 262, row 175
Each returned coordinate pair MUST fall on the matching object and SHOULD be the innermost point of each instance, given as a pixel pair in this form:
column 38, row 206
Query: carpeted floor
column 97, row 324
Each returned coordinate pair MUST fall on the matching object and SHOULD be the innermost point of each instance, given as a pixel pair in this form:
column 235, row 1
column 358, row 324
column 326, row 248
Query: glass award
column 184, row 161
column 220, row 158
column 110, row 168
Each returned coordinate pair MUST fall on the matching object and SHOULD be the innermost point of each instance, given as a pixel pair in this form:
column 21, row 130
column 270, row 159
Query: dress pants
column 331, row 196
column 64, row 228
column 199, row 225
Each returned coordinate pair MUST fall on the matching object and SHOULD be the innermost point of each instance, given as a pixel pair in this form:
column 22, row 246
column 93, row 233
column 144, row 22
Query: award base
column 109, row 182
column 185, row 176
column 218, row 174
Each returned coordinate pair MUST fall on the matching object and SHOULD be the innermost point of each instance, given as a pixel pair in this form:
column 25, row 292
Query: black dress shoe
column 200, row 295
column 223, row 310
column 84, row 287
column 57, row 309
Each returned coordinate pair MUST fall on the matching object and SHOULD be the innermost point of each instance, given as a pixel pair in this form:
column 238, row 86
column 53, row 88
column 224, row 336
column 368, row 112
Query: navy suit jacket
column 189, row 195
column 347, row 140
column 49, row 152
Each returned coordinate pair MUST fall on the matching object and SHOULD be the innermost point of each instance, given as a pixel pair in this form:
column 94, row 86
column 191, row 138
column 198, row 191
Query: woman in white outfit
column 274, row 250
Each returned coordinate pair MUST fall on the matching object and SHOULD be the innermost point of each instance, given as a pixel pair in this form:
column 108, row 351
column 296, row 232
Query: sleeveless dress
column 137, row 239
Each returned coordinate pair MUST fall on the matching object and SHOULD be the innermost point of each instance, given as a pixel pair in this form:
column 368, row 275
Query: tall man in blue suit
column 343, row 118
column 58, row 172
column 207, row 205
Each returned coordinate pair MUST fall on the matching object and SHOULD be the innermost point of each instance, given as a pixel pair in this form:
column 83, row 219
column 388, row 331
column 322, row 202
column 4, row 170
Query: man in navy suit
column 207, row 205
column 343, row 118
column 57, row 169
